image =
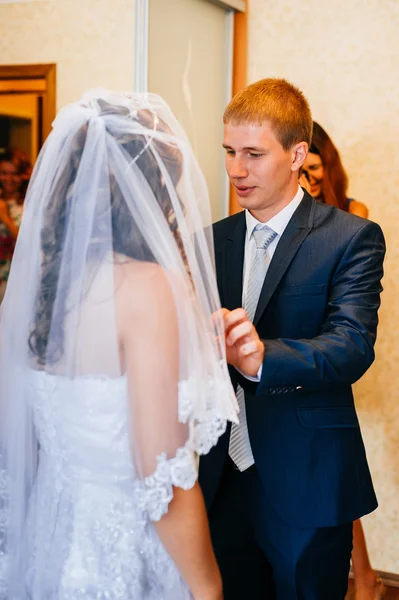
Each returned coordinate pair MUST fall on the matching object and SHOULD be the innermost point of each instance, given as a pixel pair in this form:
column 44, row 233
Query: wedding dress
column 88, row 519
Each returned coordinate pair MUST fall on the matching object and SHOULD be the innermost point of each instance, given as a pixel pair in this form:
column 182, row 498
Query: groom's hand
column 244, row 349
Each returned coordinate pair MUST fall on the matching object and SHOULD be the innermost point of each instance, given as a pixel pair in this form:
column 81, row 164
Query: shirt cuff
column 255, row 379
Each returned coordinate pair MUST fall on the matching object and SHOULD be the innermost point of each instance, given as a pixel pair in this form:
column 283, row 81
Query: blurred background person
column 24, row 165
column 325, row 178
column 15, row 169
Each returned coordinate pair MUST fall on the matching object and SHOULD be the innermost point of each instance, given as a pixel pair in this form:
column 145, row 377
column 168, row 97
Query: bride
column 113, row 376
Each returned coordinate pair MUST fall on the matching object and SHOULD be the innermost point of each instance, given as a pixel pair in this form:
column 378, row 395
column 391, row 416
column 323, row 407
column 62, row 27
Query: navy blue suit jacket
column 317, row 315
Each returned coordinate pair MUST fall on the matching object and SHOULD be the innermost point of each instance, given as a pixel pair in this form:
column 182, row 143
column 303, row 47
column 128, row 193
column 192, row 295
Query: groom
column 283, row 487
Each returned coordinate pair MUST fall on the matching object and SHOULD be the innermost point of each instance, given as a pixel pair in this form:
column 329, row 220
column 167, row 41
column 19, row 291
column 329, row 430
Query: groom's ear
column 298, row 153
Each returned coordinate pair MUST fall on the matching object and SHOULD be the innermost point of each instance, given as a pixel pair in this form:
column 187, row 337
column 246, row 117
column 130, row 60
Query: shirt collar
column 279, row 222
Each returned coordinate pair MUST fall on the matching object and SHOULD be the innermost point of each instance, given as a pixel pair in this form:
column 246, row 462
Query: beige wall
column 91, row 41
column 344, row 56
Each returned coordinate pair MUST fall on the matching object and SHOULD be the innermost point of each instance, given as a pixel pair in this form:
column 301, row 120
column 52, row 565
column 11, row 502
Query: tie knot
column 263, row 236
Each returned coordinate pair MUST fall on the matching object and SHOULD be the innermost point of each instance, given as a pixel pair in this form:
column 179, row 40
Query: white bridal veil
column 117, row 202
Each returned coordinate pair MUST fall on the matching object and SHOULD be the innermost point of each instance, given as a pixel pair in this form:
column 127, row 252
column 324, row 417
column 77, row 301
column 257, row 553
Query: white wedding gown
column 88, row 532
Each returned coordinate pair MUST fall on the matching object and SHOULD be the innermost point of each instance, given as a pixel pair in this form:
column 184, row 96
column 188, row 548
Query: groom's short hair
column 279, row 103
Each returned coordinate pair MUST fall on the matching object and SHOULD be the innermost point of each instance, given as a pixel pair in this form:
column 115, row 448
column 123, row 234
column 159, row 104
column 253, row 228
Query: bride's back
column 81, row 410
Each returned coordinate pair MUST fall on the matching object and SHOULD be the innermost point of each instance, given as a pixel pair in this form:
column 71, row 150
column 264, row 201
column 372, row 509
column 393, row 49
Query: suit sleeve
column 344, row 349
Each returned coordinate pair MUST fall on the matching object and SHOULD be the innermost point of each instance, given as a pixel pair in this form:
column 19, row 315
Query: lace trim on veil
column 207, row 424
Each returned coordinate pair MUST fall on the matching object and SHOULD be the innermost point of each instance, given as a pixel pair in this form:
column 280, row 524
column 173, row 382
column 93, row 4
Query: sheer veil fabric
column 116, row 238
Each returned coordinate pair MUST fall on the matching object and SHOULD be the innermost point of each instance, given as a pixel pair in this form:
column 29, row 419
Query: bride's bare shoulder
column 129, row 272
column 141, row 286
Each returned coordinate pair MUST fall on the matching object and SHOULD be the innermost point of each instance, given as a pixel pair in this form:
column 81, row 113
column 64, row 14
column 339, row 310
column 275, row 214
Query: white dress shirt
column 278, row 223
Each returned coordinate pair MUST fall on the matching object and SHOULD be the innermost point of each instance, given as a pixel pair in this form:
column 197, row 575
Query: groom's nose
column 238, row 168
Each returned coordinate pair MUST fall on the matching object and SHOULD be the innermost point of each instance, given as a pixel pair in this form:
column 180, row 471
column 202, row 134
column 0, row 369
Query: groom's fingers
column 218, row 318
column 219, row 314
column 240, row 333
column 250, row 357
column 252, row 347
column 233, row 317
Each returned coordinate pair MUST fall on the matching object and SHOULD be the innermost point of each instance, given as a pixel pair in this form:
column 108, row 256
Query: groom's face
column 263, row 173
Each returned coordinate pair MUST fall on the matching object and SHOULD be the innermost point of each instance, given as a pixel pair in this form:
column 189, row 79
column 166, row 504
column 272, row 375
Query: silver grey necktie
column 240, row 446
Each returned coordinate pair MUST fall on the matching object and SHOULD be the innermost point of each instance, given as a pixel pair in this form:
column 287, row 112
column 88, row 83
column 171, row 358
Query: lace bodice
column 81, row 426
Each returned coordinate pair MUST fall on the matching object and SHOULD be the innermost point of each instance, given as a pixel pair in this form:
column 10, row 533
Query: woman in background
column 12, row 193
column 327, row 177
column 328, row 183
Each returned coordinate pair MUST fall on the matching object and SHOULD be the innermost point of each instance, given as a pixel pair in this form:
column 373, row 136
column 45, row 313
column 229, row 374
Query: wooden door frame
column 240, row 71
column 45, row 72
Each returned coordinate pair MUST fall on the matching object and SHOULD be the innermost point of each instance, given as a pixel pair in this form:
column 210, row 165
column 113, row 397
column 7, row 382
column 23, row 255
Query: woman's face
column 10, row 181
column 314, row 167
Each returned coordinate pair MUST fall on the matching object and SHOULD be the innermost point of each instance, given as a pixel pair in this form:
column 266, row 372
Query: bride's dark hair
column 127, row 239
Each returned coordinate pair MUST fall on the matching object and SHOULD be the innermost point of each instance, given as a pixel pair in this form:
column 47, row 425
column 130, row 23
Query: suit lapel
column 233, row 263
column 296, row 231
